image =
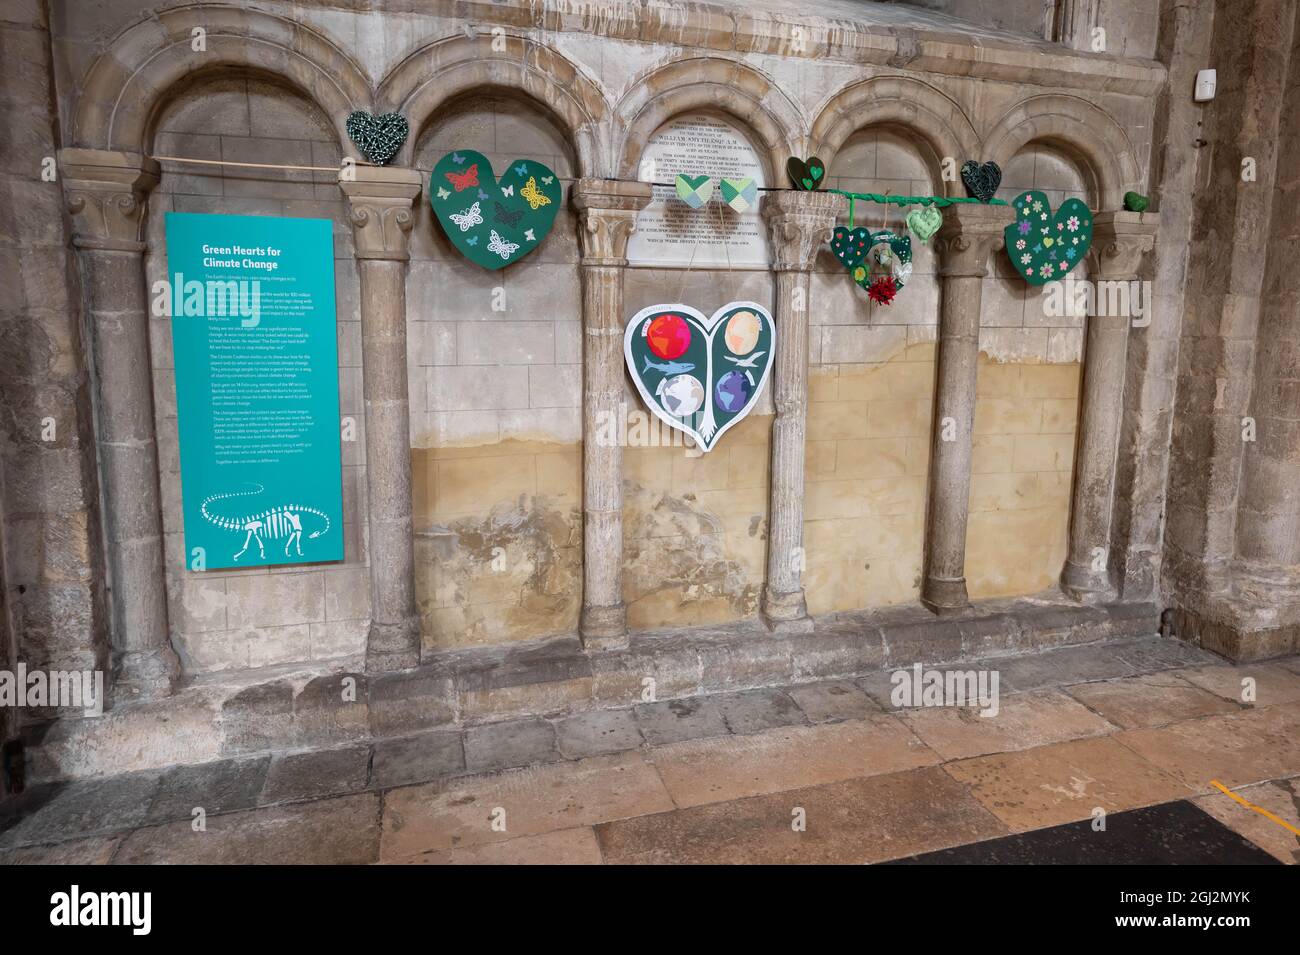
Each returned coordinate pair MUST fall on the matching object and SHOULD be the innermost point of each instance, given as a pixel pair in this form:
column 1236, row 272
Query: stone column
column 970, row 232
column 1120, row 239
column 607, row 213
column 379, row 202
column 106, row 194
column 799, row 223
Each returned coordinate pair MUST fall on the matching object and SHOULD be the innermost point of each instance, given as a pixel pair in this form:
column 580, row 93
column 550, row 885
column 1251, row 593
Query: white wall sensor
column 1205, row 82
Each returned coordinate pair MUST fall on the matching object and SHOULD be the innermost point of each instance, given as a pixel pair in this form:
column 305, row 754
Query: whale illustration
column 668, row 367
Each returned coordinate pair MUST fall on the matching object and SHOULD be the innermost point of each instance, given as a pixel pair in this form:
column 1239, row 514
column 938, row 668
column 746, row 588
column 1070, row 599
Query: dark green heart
column 378, row 138
column 1136, row 202
column 806, row 174
column 493, row 222
column 1044, row 247
column 981, row 179
column 851, row 246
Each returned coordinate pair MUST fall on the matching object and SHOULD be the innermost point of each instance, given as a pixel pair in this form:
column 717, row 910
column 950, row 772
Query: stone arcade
column 958, row 474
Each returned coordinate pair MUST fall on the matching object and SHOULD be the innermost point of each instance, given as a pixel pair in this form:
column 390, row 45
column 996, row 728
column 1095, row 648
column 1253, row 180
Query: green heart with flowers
column 1044, row 246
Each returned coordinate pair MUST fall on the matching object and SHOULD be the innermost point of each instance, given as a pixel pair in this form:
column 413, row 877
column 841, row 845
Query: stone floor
column 1116, row 726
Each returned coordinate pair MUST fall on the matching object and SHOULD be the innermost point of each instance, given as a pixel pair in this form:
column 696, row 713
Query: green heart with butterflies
column 493, row 222
column 1044, row 246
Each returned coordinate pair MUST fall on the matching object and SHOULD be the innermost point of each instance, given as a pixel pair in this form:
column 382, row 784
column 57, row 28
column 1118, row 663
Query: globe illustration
column 742, row 332
column 732, row 392
column 668, row 336
column 681, row 395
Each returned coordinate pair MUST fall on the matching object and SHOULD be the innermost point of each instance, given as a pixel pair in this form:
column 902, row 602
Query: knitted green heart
column 493, row 222
column 806, row 174
column 1044, row 246
column 700, row 374
column 740, row 194
column 378, row 138
column 1136, row 202
column 695, row 191
column 924, row 222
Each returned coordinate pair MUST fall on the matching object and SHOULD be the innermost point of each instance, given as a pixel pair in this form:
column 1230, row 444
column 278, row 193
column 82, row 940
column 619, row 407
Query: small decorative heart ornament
column 695, row 191
column 700, row 374
column 1136, row 202
column 981, row 179
column 860, row 249
column 740, row 194
column 807, row 174
column 493, row 222
column 378, row 138
column 1044, row 246
column 925, row 222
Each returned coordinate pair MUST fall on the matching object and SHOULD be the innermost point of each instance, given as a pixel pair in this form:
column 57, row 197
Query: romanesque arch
column 438, row 73
column 918, row 109
column 127, row 85
column 708, row 83
column 1086, row 133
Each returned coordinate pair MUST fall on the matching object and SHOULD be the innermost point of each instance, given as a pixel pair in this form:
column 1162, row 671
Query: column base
column 944, row 595
column 604, row 628
column 786, row 612
column 393, row 646
column 143, row 675
column 1084, row 584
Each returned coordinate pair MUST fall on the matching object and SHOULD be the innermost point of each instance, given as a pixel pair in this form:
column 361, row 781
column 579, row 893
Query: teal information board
column 251, row 300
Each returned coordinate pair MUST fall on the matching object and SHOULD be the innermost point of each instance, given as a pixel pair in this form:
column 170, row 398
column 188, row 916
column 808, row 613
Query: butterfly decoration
column 501, row 247
column 468, row 219
column 513, row 213
column 535, row 198
column 463, row 180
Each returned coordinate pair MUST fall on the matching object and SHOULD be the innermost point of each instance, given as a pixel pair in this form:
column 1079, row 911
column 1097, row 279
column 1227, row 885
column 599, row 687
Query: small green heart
column 815, row 171
column 1136, row 202
column 695, row 191
column 805, row 174
column 378, row 138
column 740, row 194
column 807, row 183
column 924, row 222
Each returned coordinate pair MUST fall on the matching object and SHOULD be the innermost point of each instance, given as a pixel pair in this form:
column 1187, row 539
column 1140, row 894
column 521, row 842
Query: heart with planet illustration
column 696, row 373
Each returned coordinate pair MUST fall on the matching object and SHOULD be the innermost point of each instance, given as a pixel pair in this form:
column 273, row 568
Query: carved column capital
column 1119, row 240
column 379, row 207
column 607, row 211
column 799, row 223
column 106, row 191
column 969, row 234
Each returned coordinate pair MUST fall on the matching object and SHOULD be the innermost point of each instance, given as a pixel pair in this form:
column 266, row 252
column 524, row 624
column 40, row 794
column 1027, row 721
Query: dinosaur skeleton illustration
column 282, row 522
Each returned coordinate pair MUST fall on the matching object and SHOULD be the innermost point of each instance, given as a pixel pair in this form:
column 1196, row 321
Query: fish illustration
column 746, row 362
column 668, row 367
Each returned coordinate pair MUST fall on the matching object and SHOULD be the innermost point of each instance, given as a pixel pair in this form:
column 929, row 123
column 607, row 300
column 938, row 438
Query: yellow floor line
column 1250, row 805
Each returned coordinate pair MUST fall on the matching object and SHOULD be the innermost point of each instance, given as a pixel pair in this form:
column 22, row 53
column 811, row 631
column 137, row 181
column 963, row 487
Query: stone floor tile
column 462, row 812
column 343, row 830
column 1152, row 699
column 847, row 822
column 317, row 774
column 97, row 850
column 222, row 786
column 1064, row 782
column 1060, row 667
column 879, row 688
column 596, row 733
column 833, row 701
column 417, row 759
column 752, row 711
column 1273, row 684
column 509, row 744
column 1153, row 653
column 562, row 847
column 675, row 720
column 1249, row 746
column 57, row 812
column 792, row 757
column 1022, row 721
column 1281, row 797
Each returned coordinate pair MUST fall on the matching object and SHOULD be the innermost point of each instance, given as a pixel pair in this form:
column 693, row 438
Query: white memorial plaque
column 669, row 233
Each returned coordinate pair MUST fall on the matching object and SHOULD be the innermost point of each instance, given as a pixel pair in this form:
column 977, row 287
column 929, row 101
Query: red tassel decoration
column 882, row 290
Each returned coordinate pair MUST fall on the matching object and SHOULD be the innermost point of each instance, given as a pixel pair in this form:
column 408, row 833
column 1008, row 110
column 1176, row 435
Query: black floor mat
column 1173, row 833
